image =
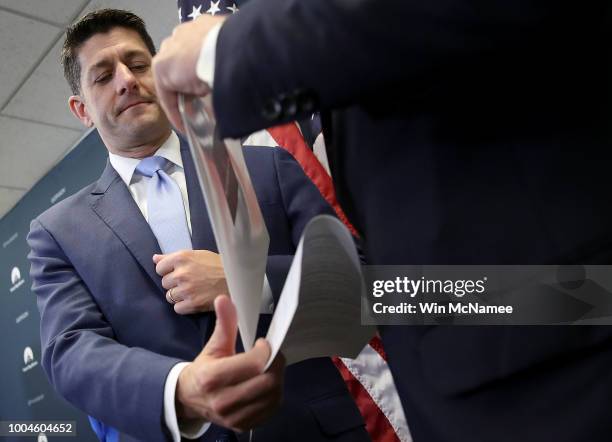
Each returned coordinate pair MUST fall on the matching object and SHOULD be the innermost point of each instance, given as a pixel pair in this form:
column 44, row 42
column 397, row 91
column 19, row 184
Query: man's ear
column 79, row 110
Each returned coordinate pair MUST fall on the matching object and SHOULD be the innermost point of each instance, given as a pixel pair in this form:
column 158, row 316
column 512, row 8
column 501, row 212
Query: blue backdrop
column 25, row 393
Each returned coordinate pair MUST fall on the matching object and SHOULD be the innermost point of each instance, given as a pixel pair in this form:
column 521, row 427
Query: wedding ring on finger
column 171, row 299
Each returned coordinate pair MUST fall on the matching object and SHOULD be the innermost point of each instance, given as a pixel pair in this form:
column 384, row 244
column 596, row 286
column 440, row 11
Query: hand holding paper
column 231, row 390
column 174, row 66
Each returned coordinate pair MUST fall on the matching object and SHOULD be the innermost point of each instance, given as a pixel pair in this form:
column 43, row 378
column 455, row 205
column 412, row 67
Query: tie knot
column 148, row 166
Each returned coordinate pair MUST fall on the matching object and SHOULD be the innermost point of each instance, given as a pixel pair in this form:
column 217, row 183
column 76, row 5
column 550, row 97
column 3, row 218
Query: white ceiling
column 36, row 127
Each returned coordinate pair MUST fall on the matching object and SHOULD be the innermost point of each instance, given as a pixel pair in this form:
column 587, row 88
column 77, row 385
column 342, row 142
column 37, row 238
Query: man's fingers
column 262, row 350
column 163, row 265
column 167, row 93
column 263, row 388
column 240, row 367
column 189, row 306
column 223, row 340
column 184, row 307
column 169, row 102
column 167, row 263
column 172, row 297
column 246, row 404
column 169, row 281
column 244, row 408
column 169, row 82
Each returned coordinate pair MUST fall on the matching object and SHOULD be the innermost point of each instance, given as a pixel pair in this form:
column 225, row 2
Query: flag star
column 196, row 12
column 180, row 15
column 233, row 8
column 214, row 7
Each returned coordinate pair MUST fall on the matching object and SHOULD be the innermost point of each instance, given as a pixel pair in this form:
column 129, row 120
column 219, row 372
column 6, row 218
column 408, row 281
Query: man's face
column 118, row 93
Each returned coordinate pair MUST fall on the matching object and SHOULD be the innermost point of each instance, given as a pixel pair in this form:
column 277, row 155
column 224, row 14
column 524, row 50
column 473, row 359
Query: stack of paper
column 318, row 313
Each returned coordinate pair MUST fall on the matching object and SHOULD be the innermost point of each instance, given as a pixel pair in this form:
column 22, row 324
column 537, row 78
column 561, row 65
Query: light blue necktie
column 165, row 206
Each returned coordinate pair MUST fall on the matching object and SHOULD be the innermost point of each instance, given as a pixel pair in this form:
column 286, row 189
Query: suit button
column 289, row 105
column 272, row 110
column 306, row 102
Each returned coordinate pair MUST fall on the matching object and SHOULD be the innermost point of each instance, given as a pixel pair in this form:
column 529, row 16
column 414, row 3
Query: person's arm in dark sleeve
column 302, row 201
column 279, row 60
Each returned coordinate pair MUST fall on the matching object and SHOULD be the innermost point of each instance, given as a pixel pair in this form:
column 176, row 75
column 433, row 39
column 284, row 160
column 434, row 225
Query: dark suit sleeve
column 119, row 385
column 301, row 201
column 277, row 58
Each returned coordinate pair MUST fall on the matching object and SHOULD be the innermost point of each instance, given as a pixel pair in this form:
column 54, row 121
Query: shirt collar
column 125, row 166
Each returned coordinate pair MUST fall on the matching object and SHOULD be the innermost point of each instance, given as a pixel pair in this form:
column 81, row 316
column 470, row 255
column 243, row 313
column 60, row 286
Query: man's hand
column 193, row 278
column 230, row 389
column 174, row 66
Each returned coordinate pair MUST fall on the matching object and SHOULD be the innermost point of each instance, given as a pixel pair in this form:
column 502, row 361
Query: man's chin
column 135, row 117
column 147, row 127
column 139, row 109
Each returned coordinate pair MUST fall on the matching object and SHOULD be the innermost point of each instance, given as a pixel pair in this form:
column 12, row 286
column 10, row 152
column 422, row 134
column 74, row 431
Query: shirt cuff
column 191, row 430
column 205, row 67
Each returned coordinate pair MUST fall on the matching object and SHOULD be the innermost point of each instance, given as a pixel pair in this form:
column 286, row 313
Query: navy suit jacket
column 458, row 132
column 109, row 338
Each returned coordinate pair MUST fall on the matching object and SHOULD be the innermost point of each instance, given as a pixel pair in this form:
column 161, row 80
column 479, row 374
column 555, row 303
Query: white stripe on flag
column 260, row 138
column 372, row 371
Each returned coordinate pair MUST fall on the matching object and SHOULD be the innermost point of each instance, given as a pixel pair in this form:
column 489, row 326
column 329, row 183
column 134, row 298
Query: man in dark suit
column 458, row 133
column 114, row 343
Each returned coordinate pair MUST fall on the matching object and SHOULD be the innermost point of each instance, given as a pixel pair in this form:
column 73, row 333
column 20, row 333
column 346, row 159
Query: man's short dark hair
column 96, row 22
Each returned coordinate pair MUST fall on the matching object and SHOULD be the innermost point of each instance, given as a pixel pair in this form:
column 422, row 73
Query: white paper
column 240, row 232
column 319, row 310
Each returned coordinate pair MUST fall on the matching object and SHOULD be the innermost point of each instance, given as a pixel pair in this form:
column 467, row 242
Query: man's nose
column 125, row 80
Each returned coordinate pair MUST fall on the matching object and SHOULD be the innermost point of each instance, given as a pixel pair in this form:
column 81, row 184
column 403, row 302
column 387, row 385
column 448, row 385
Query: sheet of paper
column 319, row 310
column 318, row 313
column 240, row 232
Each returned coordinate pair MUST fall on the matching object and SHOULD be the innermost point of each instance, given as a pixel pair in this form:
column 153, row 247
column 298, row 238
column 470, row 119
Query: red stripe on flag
column 377, row 425
column 289, row 137
column 376, row 344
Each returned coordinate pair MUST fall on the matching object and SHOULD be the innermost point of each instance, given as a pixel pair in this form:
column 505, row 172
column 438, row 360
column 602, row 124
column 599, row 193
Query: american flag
column 367, row 377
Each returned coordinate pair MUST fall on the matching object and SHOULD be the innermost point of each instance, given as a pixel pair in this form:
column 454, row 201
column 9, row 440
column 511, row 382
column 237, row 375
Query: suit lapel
column 202, row 236
column 114, row 204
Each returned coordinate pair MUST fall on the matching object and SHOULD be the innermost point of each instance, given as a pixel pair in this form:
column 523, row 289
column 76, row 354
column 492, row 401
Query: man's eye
column 139, row 67
column 102, row 78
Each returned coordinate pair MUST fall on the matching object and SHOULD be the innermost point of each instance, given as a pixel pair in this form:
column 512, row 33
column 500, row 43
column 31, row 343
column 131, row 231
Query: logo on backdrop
column 28, row 359
column 12, row 238
column 15, row 275
column 28, row 355
column 22, row 316
column 35, row 400
column 58, row 195
column 16, row 280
